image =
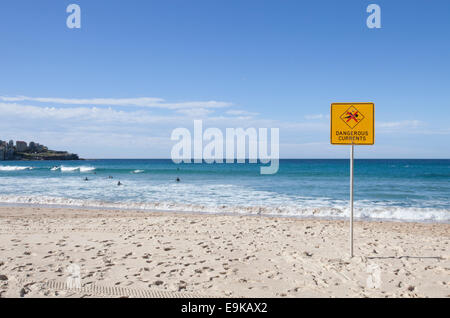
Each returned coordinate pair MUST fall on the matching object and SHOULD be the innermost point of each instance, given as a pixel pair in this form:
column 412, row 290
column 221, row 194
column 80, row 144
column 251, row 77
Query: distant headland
column 32, row 151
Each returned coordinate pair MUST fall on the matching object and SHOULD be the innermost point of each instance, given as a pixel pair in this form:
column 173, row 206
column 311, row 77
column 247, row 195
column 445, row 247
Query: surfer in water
column 178, row 179
column 119, row 183
column 86, row 179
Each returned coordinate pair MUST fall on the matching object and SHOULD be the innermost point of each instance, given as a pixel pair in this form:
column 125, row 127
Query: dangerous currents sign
column 352, row 123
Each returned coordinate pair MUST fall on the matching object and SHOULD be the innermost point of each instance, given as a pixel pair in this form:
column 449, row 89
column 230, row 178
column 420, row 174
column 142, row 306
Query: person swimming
column 86, row 179
column 119, row 183
column 178, row 179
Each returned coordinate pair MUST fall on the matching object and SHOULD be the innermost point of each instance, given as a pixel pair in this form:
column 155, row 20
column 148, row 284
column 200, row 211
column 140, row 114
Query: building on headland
column 32, row 147
column 35, row 147
column 3, row 149
column 21, row 146
column 41, row 148
column 7, row 150
column 9, row 155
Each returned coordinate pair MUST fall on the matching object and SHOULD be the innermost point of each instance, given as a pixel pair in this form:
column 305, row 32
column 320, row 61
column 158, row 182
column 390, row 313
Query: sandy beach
column 143, row 254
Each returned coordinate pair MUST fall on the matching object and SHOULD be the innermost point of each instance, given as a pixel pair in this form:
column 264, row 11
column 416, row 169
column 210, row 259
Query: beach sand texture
column 143, row 254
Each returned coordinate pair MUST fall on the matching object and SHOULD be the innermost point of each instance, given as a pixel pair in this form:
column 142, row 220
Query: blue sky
column 117, row 87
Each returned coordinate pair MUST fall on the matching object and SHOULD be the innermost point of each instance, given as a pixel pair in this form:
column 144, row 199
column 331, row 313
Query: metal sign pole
column 352, row 151
column 348, row 122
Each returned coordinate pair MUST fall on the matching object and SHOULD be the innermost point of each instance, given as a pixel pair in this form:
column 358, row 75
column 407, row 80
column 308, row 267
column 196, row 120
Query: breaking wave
column 335, row 212
column 14, row 168
column 86, row 169
column 72, row 169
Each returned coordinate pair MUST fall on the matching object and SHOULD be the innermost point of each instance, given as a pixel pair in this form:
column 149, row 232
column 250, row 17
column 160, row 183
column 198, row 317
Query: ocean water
column 412, row 190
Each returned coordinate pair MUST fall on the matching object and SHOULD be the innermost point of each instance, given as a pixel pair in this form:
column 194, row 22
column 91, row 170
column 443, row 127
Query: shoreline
column 219, row 213
column 217, row 255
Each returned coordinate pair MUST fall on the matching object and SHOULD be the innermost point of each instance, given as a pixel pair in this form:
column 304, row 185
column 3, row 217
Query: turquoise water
column 384, row 189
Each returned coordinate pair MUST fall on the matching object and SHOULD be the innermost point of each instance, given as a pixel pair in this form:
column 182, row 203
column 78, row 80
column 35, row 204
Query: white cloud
column 238, row 112
column 315, row 116
column 195, row 112
column 94, row 131
column 75, row 117
column 399, row 124
column 137, row 102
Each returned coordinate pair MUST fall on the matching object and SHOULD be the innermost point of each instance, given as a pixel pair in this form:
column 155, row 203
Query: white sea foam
column 86, row 169
column 68, row 169
column 72, row 169
column 337, row 211
column 138, row 171
column 14, row 168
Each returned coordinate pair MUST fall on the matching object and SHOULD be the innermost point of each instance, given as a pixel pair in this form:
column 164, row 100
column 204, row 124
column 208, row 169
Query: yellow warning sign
column 352, row 123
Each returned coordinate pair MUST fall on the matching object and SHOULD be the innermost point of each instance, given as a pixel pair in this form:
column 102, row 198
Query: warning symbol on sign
column 352, row 123
column 352, row 117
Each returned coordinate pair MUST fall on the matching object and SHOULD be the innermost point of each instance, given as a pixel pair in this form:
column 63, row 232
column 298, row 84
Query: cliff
column 49, row 155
